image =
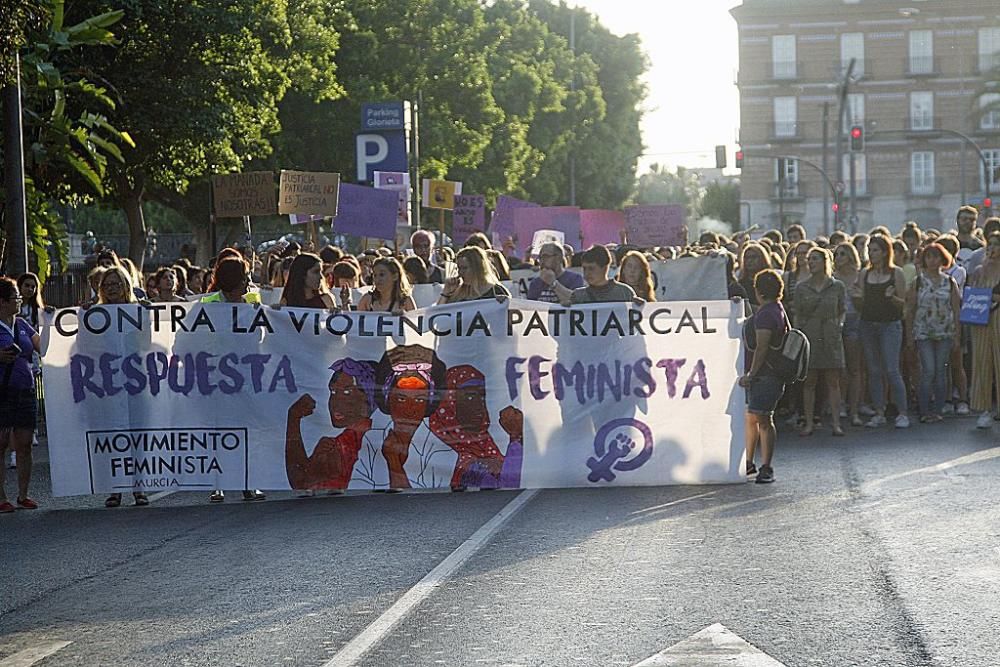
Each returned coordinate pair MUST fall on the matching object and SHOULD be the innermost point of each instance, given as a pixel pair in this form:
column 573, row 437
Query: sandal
column 27, row 504
column 114, row 500
column 6, row 507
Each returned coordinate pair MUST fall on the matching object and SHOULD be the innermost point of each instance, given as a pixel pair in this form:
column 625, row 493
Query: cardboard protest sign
column 660, row 225
column 976, row 304
column 690, row 279
column 543, row 236
column 468, row 217
column 440, row 194
column 527, row 221
column 502, row 222
column 509, row 395
column 601, row 227
column 367, row 212
column 308, row 192
column 399, row 182
column 240, row 195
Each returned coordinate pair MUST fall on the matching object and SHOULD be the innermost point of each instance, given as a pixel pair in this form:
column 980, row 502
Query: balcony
column 987, row 63
column 921, row 66
column 787, row 70
column 782, row 131
column 925, row 188
column 923, row 125
column 862, row 69
column 788, row 190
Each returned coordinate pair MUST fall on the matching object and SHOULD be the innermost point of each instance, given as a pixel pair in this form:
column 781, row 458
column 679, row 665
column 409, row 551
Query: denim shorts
column 763, row 394
column 852, row 328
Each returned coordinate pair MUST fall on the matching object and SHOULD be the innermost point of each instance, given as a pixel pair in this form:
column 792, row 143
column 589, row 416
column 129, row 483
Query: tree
column 661, row 186
column 200, row 84
column 721, row 201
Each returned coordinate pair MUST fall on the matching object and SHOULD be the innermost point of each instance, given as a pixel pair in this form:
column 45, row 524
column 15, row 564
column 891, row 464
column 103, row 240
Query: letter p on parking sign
column 382, row 151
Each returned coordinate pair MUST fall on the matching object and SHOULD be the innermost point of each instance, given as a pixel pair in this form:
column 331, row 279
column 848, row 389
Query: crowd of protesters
column 880, row 311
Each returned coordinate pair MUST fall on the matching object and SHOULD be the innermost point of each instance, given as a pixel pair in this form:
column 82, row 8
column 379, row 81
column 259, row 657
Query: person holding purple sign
column 986, row 339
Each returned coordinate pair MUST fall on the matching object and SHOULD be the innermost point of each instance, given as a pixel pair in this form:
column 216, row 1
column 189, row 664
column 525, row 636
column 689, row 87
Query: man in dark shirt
column 966, row 219
column 551, row 257
column 422, row 243
column 599, row 289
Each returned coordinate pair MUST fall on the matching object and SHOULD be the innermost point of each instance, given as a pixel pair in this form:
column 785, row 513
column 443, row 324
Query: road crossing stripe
column 35, row 654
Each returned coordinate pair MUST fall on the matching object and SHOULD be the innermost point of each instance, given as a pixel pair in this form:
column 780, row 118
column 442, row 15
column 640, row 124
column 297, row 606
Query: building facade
column 924, row 88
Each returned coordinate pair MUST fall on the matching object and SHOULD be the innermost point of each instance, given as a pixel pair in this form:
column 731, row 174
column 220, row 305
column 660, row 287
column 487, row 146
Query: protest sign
column 543, row 236
column 527, row 221
column 398, row 182
column 651, row 226
column 440, row 194
column 513, row 395
column 502, row 222
column 365, row 211
column 976, row 304
column 308, row 192
column 690, row 278
column 468, row 217
column 240, row 195
column 601, row 227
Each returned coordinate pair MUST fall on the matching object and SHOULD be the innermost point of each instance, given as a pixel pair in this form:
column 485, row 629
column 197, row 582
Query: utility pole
column 13, row 155
column 415, row 186
column 826, row 150
column 572, row 87
column 845, row 84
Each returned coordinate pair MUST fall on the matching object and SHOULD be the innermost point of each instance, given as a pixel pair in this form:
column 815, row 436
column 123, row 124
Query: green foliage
column 661, row 186
column 721, row 201
column 19, row 19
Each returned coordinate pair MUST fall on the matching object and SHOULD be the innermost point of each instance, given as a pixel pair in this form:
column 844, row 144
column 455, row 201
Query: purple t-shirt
column 769, row 316
column 21, row 376
column 539, row 291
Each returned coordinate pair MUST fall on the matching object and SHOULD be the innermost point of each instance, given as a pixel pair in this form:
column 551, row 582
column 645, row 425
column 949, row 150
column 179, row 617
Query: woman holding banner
column 986, row 339
column 391, row 292
column 18, row 401
column 305, row 287
column 476, row 279
column 635, row 273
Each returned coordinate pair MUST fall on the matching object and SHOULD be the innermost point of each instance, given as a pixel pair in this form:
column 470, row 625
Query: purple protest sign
column 601, row 227
column 502, row 222
column 660, row 225
column 398, row 181
column 364, row 211
column 527, row 221
column 468, row 217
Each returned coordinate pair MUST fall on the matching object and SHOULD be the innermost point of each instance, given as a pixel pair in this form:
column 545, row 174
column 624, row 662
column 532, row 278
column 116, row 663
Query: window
column 785, row 124
column 992, row 167
column 922, row 111
column 860, row 173
column 921, row 52
column 855, row 109
column 852, row 45
column 989, row 48
column 989, row 106
column 922, row 173
column 787, row 177
column 783, row 57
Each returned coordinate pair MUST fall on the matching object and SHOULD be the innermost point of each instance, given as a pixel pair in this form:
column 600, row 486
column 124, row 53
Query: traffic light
column 720, row 157
column 987, row 203
column 835, row 208
column 857, row 139
column 739, row 159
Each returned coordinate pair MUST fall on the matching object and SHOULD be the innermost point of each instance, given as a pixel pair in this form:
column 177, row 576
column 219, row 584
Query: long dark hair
column 294, row 293
column 36, row 303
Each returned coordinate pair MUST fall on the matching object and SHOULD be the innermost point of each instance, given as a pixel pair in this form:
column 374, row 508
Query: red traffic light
column 987, row 203
column 857, row 141
column 856, row 133
column 835, row 207
column 739, row 159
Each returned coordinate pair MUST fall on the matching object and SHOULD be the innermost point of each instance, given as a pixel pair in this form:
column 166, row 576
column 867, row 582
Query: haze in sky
column 693, row 104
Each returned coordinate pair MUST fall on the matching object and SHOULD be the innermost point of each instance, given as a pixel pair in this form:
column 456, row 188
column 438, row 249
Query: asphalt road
column 876, row 549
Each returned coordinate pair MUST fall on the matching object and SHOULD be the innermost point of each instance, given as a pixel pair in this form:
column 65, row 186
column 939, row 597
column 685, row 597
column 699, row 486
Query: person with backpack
column 764, row 386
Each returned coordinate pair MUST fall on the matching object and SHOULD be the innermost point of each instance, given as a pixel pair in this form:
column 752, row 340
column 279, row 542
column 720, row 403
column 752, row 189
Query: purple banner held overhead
column 468, row 217
column 527, row 221
column 364, row 211
column 601, row 227
column 502, row 222
column 651, row 226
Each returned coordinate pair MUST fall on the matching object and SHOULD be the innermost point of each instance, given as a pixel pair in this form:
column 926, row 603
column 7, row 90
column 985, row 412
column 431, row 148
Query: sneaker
column 252, row 495
column 875, row 422
column 766, row 475
column 306, row 493
column 751, row 469
column 949, row 409
column 962, row 409
column 866, row 411
column 985, row 421
column 902, row 421
column 217, row 497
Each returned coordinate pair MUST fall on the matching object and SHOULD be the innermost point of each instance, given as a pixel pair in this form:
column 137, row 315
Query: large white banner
column 483, row 394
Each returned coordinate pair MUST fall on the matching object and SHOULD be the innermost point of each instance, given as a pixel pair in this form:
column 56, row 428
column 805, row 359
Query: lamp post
column 13, row 151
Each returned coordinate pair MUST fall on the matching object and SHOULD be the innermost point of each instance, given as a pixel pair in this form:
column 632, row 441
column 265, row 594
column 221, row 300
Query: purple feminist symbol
column 611, row 454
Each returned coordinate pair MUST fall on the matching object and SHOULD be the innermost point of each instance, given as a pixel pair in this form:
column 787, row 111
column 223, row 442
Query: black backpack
column 788, row 360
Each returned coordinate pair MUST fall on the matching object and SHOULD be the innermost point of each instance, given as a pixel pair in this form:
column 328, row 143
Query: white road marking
column 984, row 455
column 384, row 624
column 30, row 656
column 161, row 494
column 674, row 502
column 714, row 646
